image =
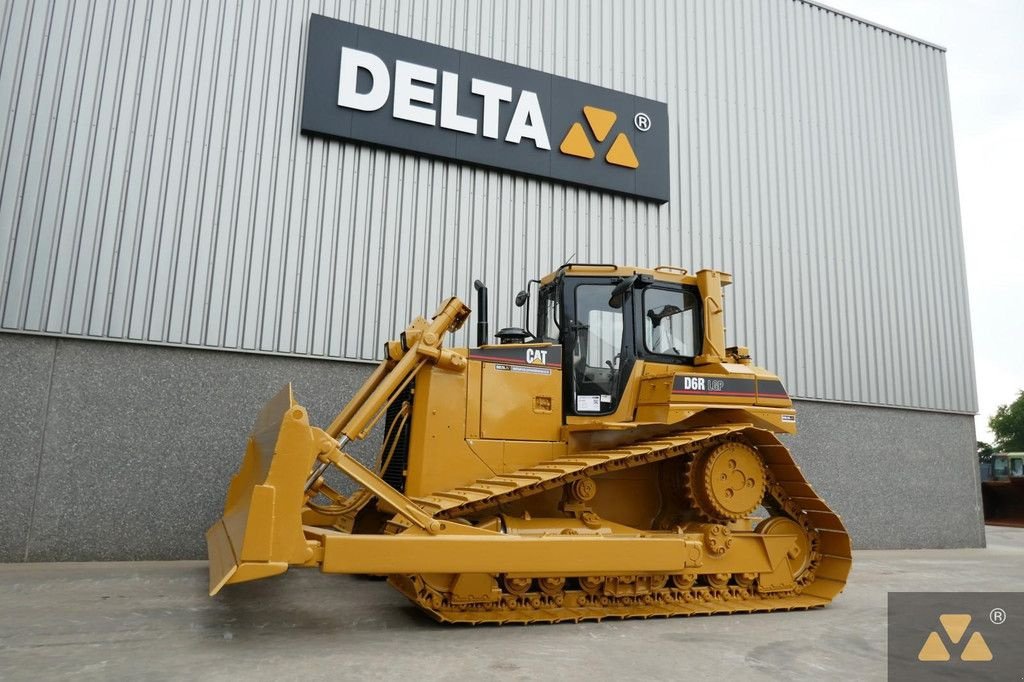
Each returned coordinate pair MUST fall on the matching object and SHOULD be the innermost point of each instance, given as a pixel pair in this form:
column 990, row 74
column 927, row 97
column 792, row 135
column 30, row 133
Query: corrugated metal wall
column 155, row 187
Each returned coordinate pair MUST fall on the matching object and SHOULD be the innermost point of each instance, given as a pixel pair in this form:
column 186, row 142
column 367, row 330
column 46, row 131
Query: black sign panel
column 956, row 635
column 383, row 89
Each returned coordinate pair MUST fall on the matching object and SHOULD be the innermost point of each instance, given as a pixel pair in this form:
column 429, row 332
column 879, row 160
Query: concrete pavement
column 153, row 620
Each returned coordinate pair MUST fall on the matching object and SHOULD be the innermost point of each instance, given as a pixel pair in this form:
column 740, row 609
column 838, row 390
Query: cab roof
column 662, row 273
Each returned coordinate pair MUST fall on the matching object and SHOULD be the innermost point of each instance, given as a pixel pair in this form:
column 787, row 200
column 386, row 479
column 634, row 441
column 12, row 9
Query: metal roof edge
column 866, row 22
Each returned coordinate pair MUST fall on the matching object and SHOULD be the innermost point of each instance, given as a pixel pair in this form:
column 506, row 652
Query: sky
column 985, row 61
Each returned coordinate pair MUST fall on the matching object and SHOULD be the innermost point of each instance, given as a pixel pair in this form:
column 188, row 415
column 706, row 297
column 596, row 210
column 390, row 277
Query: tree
column 1008, row 425
column 985, row 451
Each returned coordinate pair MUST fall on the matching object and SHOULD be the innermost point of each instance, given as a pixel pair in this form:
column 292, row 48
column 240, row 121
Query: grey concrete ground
column 154, row 621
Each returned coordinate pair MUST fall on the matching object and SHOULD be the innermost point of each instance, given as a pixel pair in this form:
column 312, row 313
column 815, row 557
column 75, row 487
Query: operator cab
column 606, row 317
column 1008, row 465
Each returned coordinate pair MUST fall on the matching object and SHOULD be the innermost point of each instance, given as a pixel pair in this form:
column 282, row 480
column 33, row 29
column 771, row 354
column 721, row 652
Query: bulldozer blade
column 260, row 534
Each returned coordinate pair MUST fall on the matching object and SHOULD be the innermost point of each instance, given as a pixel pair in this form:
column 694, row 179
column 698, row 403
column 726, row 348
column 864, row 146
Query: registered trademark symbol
column 642, row 122
column 997, row 616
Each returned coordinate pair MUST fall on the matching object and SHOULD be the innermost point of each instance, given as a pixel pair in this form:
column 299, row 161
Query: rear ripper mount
column 610, row 466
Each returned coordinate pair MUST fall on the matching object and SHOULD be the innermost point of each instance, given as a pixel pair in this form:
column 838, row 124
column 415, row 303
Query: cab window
column 550, row 315
column 671, row 326
column 604, row 338
column 597, row 354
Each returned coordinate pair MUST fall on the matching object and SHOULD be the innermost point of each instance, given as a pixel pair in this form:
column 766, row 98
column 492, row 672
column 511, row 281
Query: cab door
column 598, row 346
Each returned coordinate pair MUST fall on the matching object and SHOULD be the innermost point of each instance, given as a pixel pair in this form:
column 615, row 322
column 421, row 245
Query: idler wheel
column 799, row 555
column 727, row 482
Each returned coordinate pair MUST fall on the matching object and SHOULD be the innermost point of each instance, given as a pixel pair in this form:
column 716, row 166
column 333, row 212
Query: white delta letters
column 415, row 98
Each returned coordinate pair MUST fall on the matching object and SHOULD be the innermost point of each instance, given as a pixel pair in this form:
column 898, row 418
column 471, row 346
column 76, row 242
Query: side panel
column 520, row 402
column 670, row 394
column 497, row 416
column 439, row 457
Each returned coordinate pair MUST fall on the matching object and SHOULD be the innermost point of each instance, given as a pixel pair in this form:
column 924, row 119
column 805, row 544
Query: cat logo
column 536, row 357
column 600, row 122
column 955, row 625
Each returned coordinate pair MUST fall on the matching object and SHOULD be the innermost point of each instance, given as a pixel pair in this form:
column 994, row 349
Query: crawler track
column 788, row 494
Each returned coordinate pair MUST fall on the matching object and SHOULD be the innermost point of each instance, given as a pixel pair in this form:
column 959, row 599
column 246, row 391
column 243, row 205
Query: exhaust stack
column 482, row 332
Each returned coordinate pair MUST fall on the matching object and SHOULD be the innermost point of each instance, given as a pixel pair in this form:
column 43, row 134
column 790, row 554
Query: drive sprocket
column 727, row 482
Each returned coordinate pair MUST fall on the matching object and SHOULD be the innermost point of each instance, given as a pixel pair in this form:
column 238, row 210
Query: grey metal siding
column 154, row 187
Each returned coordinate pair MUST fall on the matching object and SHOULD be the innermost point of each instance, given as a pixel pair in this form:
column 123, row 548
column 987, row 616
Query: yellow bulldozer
column 619, row 461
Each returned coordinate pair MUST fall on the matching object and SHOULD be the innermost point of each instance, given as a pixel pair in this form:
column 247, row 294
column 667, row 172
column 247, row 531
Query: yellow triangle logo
column 976, row 649
column 576, row 143
column 621, row 153
column 600, row 120
column 955, row 625
column 933, row 649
